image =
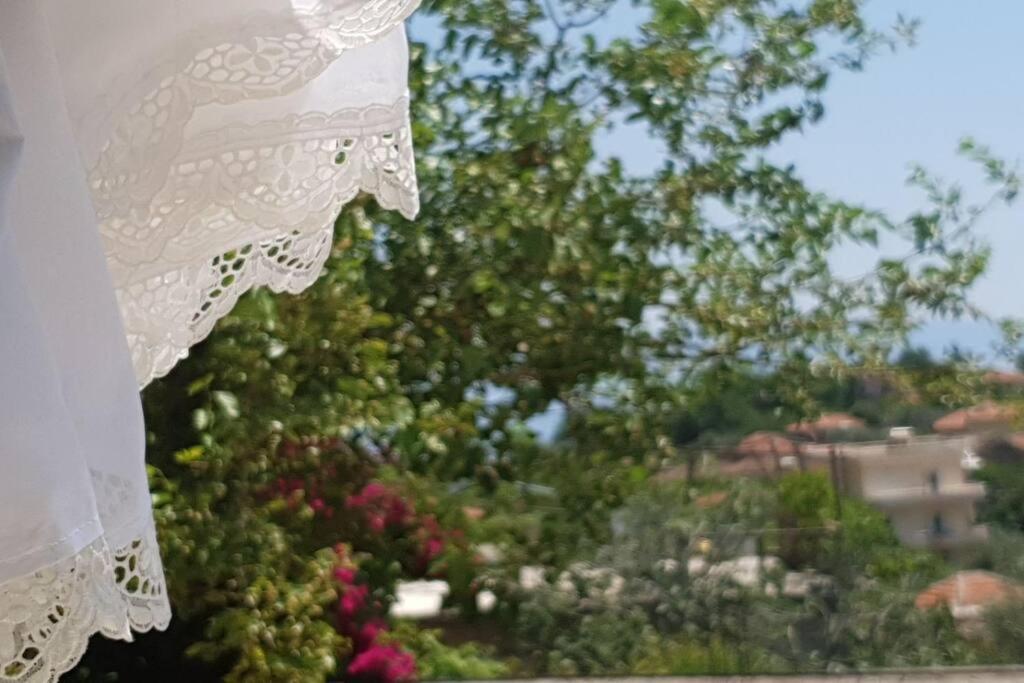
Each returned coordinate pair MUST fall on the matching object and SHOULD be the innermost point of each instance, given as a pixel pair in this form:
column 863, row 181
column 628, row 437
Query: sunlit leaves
column 544, row 269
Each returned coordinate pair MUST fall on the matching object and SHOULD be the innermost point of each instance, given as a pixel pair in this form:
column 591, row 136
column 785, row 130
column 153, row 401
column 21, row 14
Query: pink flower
column 377, row 523
column 398, row 512
column 375, row 490
column 432, row 549
column 383, row 507
column 352, row 601
column 366, row 637
column 345, row 575
column 370, row 494
column 432, row 538
column 382, row 663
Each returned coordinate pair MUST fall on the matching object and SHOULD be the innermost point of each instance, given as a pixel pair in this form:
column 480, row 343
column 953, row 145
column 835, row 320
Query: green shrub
column 435, row 660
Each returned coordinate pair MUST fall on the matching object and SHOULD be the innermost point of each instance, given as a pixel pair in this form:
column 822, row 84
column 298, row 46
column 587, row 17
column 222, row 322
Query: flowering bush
column 383, row 664
column 389, row 528
column 532, row 270
column 382, row 508
column 360, row 620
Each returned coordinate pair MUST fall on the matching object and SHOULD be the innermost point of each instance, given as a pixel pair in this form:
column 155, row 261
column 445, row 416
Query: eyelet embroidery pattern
column 191, row 224
column 284, row 182
column 47, row 618
column 267, row 56
column 221, row 213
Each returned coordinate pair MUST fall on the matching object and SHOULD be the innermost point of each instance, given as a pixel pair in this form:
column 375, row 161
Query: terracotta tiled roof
column 968, row 593
column 711, row 500
column 828, row 422
column 1011, row 379
column 671, row 474
column 987, row 414
column 770, row 444
column 750, row 466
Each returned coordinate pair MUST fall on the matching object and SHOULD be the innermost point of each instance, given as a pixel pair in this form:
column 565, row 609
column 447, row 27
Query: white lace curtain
column 158, row 158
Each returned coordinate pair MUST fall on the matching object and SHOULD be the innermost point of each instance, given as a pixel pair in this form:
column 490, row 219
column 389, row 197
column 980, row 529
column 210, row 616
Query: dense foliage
column 317, row 449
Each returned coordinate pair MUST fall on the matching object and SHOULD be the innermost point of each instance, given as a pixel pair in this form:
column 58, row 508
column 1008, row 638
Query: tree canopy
column 541, row 269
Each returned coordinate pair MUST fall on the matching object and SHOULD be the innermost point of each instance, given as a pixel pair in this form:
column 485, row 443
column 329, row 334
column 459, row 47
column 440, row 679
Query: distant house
column 827, row 423
column 967, row 595
column 761, row 454
column 750, row 466
column 768, row 455
column 766, row 444
column 1006, row 379
column 920, row 483
column 984, row 417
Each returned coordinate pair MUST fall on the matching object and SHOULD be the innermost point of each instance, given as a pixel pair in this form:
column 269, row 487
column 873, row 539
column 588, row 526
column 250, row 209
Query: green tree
column 1003, row 504
column 846, row 537
column 533, row 272
column 1004, row 632
column 916, row 358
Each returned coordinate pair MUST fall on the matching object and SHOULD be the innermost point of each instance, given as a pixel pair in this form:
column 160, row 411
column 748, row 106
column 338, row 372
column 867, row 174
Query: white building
column 920, row 483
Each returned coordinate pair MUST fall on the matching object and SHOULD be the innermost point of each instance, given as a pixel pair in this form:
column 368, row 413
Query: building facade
column 922, row 484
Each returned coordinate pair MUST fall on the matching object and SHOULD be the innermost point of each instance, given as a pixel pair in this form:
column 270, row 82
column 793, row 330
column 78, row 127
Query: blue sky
column 964, row 77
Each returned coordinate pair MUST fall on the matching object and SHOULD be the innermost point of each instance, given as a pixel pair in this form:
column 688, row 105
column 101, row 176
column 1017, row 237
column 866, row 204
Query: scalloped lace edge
column 48, row 617
column 185, row 86
column 172, row 210
column 283, row 195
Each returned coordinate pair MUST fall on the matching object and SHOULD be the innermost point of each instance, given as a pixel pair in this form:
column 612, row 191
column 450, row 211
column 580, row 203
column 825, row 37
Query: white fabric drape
column 158, row 158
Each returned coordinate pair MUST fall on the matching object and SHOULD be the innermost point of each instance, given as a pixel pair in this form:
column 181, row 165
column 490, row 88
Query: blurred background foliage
column 317, row 449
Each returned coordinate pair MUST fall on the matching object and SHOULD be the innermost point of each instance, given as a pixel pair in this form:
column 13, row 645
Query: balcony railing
column 916, row 494
column 917, row 447
column 947, row 538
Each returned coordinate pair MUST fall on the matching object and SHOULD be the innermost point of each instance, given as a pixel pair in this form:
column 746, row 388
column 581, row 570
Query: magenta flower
column 366, row 636
column 345, row 575
column 377, row 523
column 371, row 493
column 386, row 664
column 352, row 601
column 375, row 490
column 398, row 512
column 383, row 507
column 432, row 549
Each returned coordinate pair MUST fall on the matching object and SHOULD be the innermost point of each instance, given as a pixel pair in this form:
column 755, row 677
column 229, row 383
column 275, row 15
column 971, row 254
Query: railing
column 918, row 445
column 925, row 538
column 913, row 494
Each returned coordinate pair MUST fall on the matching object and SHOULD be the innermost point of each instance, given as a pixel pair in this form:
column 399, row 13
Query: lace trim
column 167, row 315
column 267, row 56
column 270, row 177
column 183, row 264
column 190, row 225
column 47, row 618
